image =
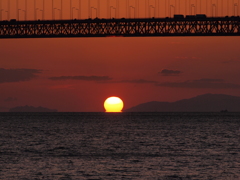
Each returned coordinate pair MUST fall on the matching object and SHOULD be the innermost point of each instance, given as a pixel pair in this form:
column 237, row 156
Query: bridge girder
column 121, row 27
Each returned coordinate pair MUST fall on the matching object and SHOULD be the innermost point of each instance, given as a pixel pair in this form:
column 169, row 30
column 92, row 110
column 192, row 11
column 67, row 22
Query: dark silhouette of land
column 202, row 103
column 31, row 109
column 3, row 109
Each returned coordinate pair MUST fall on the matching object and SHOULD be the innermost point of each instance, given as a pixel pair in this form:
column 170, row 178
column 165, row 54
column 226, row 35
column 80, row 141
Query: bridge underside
column 121, row 28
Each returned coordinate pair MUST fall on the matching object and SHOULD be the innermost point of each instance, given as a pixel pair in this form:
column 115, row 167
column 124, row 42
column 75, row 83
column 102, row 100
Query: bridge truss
column 215, row 26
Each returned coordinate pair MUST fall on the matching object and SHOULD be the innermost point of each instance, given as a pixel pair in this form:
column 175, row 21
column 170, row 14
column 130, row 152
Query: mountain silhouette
column 201, row 103
column 31, row 109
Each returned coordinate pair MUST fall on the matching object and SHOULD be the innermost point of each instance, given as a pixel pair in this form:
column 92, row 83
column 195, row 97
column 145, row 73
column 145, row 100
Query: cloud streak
column 134, row 81
column 17, row 75
column 168, row 72
column 81, row 78
column 201, row 83
column 101, row 79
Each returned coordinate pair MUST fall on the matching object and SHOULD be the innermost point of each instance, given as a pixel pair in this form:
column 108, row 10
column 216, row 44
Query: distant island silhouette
column 31, row 109
column 201, row 103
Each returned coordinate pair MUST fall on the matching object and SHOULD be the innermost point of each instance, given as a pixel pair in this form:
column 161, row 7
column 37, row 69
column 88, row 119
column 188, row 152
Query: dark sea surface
column 112, row 146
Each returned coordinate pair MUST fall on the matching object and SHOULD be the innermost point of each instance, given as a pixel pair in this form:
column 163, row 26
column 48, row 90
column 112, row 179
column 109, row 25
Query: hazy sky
column 65, row 9
column 78, row 74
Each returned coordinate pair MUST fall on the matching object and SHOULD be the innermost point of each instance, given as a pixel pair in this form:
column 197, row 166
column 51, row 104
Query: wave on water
column 148, row 146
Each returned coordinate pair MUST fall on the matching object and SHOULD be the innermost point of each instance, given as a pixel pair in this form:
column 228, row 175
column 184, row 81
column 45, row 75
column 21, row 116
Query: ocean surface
column 114, row 146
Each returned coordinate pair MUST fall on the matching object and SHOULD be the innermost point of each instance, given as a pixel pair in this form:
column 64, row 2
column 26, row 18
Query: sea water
column 112, row 146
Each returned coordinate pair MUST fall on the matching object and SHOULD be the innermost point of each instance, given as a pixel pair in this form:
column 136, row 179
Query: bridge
column 130, row 18
column 192, row 26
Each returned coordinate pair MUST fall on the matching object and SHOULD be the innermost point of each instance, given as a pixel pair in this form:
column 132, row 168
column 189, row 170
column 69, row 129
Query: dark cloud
column 201, row 83
column 139, row 81
column 16, row 75
column 231, row 61
column 134, row 81
column 101, row 79
column 10, row 99
column 83, row 78
column 168, row 72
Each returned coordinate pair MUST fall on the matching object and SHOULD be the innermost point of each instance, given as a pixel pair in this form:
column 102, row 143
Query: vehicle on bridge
column 178, row 16
column 201, row 16
column 181, row 16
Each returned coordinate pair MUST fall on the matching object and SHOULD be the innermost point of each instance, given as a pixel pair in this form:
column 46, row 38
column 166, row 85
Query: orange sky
column 214, row 61
column 78, row 74
column 71, row 9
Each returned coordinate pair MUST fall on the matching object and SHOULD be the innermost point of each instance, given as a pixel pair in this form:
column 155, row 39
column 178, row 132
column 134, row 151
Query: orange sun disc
column 113, row 104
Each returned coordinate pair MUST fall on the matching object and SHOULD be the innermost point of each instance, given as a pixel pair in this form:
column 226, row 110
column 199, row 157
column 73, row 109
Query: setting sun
column 113, row 104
